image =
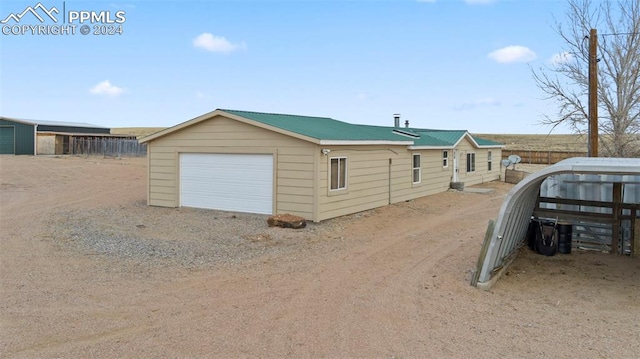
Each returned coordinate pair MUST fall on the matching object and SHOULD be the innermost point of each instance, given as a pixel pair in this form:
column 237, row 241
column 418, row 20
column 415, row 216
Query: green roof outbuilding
column 19, row 137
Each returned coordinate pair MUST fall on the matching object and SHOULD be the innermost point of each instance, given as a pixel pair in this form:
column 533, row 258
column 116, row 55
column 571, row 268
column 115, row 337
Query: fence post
column 617, row 223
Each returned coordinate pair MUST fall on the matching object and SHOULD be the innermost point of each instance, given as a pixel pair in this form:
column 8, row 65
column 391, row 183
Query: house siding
column 367, row 179
column 369, row 183
column 293, row 161
column 481, row 173
column 434, row 177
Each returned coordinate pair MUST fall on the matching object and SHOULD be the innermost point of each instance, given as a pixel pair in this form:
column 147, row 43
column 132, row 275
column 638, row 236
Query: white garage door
column 229, row 182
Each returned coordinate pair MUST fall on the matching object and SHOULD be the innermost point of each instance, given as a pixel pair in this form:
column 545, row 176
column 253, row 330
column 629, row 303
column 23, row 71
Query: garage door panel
column 7, row 140
column 230, row 182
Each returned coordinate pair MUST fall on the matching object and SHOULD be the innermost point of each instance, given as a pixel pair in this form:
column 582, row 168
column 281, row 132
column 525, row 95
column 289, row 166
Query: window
column 416, row 168
column 445, row 158
column 471, row 162
column 338, row 173
column 489, row 161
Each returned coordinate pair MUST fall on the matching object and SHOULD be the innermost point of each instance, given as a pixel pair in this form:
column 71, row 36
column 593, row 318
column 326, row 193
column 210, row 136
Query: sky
column 440, row 64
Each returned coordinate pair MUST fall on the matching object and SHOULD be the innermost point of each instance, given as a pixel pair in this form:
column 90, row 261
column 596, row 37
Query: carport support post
column 635, row 226
column 617, row 202
column 635, row 241
column 483, row 253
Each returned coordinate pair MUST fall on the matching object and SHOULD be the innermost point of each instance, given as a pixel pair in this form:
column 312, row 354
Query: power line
column 621, row 33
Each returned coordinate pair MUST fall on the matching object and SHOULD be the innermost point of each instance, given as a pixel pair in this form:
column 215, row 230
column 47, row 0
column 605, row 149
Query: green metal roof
column 324, row 128
column 485, row 142
column 439, row 137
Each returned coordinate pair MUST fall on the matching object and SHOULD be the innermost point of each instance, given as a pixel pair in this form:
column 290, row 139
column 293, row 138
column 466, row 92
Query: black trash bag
column 547, row 239
column 532, row 231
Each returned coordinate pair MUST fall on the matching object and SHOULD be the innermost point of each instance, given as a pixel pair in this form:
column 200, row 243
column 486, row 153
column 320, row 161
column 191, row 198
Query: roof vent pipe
column 396, row 120
column 406, row 123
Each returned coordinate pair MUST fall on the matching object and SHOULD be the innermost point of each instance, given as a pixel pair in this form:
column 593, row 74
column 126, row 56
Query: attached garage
column 230, row 182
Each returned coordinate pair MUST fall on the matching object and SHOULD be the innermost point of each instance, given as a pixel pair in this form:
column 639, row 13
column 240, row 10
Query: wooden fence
column 542, row 157
column 108, row 147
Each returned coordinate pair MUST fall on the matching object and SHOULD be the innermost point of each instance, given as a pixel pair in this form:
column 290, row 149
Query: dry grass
column 570, row 143
column 136, row 131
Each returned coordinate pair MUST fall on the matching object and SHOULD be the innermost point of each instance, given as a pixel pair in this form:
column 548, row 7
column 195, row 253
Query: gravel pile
column 190, row 238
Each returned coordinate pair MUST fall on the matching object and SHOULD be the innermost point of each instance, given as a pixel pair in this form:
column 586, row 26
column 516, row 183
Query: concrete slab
column 478, row 190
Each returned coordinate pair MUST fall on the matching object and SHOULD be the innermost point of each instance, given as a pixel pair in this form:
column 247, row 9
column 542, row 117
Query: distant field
column 570, row 143
column 136, row 131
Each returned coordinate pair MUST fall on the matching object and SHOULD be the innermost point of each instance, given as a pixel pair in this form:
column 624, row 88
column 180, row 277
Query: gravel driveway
column 89, row 271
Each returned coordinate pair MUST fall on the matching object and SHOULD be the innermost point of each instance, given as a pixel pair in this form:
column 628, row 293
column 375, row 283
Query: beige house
column 314, row 167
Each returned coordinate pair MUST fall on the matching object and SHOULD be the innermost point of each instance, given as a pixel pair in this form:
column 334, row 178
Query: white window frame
column 445, row 159
column 414, row 168
column 489, row 160
column 471, row 162
column 345, row 175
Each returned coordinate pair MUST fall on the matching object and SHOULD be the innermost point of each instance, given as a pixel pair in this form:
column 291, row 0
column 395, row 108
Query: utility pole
column 593, row 93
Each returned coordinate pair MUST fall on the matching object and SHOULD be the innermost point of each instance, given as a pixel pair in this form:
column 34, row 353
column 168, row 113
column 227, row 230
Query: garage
column 228, row 182
column 7, row 140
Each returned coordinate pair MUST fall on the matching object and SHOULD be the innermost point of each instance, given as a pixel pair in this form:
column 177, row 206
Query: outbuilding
column 30, row 137
column 598, row 199
column 314, row 167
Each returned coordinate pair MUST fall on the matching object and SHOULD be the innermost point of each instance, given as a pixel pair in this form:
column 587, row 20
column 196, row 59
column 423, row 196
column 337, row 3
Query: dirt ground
column 387, row 283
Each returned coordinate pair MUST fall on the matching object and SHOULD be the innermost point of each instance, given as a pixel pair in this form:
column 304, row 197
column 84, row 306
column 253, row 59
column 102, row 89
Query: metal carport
column 515, row 214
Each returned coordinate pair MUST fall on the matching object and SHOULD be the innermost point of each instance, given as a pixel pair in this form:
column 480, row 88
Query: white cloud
column 210, row 42
column 203, row 96
column 106, row 88
column 482, row 102
column 561, row 58
column 511, row 54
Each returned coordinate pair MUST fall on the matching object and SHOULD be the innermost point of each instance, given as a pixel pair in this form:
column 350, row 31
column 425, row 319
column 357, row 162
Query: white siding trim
column 345, row 175
column 364, row 142
column 414, row 168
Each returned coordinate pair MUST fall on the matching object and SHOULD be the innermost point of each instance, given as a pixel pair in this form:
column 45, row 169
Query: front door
column 455, row 166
